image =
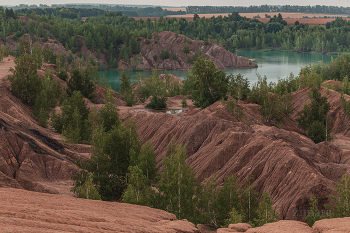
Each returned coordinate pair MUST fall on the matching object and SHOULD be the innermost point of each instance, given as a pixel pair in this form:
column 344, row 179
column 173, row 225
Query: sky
column 345, row 3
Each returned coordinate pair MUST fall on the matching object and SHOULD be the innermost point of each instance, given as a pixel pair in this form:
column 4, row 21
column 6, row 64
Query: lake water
column 272, row 64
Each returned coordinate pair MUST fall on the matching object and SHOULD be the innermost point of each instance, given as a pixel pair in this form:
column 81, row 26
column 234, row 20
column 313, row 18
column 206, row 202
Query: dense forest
column 94, row 10
column 117, row 36
column 318, row 9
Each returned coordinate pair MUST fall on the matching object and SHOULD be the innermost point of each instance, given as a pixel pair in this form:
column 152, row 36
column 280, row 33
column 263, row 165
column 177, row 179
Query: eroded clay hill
column 30, row 156
column 287, row 164
column 283, row 161
column 175, row 43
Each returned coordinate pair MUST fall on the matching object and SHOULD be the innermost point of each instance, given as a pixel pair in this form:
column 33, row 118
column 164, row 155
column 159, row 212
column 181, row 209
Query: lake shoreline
column 273, row 64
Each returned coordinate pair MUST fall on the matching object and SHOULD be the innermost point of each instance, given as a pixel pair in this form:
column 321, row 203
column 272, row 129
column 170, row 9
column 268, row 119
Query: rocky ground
column 283, row 161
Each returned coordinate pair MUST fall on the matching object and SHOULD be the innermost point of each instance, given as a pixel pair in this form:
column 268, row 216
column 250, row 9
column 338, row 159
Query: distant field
column 262, row 15
column 311, row 21
column 289, row 17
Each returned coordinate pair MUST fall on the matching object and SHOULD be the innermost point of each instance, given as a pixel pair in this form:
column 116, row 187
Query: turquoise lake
column 272, row 64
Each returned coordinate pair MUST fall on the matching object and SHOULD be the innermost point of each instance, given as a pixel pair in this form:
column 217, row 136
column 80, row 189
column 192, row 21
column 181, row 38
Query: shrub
column 165, row 54
column 186, row 48
column 184, row 102
column 155, row 57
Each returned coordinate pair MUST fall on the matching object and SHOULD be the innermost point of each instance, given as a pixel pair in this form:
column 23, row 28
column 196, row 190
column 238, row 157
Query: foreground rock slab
column 335, row 225
column 27, row 211
column 283, row 226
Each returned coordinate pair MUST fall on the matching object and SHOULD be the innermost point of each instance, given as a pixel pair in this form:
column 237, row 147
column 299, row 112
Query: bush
column 230, row 106
column 155, row 88
column 63, row 75
column 25, row 83
column 157, row 103
column 184, row 102
column 186, row 48
column 72, row 122
column 82, row 80
column 206, row 83
column 155, row 57
column 165, row 54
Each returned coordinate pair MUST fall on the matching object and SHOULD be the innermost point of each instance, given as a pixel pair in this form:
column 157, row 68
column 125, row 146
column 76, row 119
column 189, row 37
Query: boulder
column 283, row 226
column 225, row 230
column 333, row 225
column 240, row 227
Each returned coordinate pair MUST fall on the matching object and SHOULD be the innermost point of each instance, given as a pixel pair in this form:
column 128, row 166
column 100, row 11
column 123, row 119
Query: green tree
column 314, row 117
column 165, row 54
column 47, row 98
column 172, row 86
column 341, row 203
column 138, row 190
column 178, row 187
column 250, row 203
column 157, row 90
column 126, row 90
column 238, row 86
column 25, row 83
column 266, row 211
column 82, row 80
column 209, row 84
column 228, row 199
column 184, row 102
column 49, row 56
column 88, row 190
column 270, row 104
column 109, row 115
column 147, row 161
column 234, row 217
column 72, row 121
column 110, row 159
column 186, row 48
column 230, row 106
column 345, row 86
column 209, row 198
column 37, row 56
column 313, row 214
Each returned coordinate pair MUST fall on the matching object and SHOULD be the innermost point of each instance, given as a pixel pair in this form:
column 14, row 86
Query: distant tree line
column 118, row 37
column 318, row 9
column 72, row 11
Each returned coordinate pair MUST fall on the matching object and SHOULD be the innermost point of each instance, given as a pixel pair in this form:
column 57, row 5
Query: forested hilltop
column 112, row 37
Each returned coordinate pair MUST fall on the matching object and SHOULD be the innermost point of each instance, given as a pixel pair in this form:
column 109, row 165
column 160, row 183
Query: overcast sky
column 186, row 2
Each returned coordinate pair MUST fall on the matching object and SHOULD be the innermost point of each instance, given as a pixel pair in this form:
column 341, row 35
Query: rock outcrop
column 335, row 225
column 175, row 44
column 25, row 211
